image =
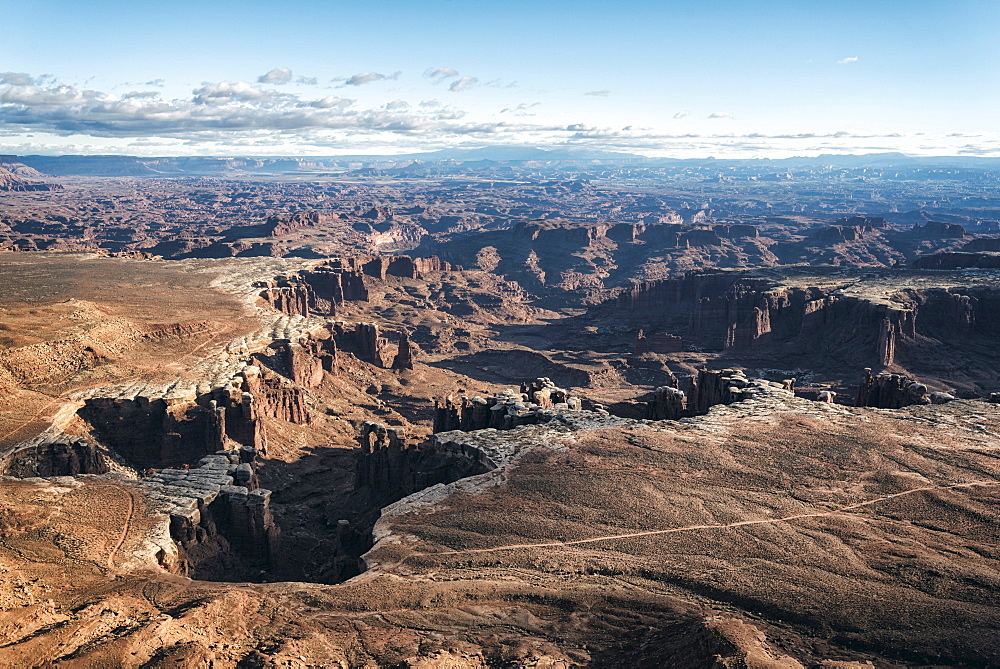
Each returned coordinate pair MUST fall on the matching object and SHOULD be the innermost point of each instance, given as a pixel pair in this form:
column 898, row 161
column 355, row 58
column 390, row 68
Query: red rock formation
column 158, row 431
column 897, row 323
column 364, row 341
column 290, row 296
column 275, row 397
column 667, row 404
column 308, row 359
column 54, row 455
column 503, row 411
column 890, row 391
column 276, row 226
column 393, row 468
column 658, row 343
column 404, row 353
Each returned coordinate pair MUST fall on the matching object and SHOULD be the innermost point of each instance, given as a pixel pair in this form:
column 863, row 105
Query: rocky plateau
column 294, row 414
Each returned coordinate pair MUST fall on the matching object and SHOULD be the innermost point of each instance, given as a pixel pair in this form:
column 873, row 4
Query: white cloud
column 16, row 78
column 331, row 102
column 35, row 95
column 462, row 84
column 228, row 91
column 680, row 114
column 369, row 77
column 720, row 115
column 849, row 59
column 396, row 104
column 603, row 93
column 440, row 72
column 279, row 75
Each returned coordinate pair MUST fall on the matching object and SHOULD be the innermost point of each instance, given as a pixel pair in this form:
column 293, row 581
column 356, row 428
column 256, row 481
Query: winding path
column 689, row 528
column 127, row 526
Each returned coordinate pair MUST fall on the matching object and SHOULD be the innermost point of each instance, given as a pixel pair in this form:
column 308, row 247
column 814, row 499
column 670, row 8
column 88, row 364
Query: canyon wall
column 503, row 411
column 746, row 314
column 219, row 518
column 162, row 427
column 388, row 464
column 51, row 454
column 890, row 391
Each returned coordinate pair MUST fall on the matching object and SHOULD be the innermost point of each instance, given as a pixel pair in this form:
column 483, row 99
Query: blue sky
column 685, row 79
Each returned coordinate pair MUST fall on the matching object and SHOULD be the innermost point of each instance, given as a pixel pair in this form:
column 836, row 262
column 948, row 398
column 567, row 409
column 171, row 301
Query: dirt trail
column 742, row 523
column 126, row 526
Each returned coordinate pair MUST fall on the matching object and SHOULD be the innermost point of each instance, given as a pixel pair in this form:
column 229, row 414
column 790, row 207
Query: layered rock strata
column 503, row 411
column 153, row 426
column 291, row 296
column 891, row 391
column 54, row 454
column 217, row 513
column 743, row 313
column 388, row 463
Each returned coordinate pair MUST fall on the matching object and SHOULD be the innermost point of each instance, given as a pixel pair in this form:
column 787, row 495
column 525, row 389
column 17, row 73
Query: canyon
column 505, row 415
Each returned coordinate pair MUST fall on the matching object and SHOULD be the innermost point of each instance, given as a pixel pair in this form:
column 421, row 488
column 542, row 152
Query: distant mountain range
column 135, row 166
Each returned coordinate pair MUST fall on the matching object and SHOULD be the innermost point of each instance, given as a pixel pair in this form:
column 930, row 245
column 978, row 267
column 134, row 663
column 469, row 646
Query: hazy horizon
column 765, row 79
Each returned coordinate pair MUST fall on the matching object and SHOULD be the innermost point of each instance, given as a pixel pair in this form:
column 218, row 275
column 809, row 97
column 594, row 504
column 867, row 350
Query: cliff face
column 219, row 518
column 54, row 455
column 291, row 296
column 890, row 391
column 751, row 313
column 365, row 341
column 172, row 430
column 503, row 411
column 389, row 465
column 276, row 397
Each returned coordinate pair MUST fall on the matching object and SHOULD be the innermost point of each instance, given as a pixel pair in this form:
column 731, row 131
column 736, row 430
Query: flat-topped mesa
column 289, row 295
column 890, row 391
column 391, row 466
column 283, row 224
column 161, row 427
column 731, row 311
column 54, row 454
column 217, row 513
column 349, row 278
column 504, row 411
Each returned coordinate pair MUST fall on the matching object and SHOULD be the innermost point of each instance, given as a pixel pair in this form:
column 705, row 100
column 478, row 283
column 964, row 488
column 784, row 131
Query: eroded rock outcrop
column 388, row 463
column 503, row 411
column 747, row 313
column 51, row 454
column 289, row 295
column 667, row 404
column 274, row 396
column 890, row 391
column 404, row 353
column 364, row 340
column 219, row 518
column 161, row 427
column 660, row 342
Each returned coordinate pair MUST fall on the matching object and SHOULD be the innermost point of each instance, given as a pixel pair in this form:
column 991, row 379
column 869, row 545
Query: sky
column 684, row 79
